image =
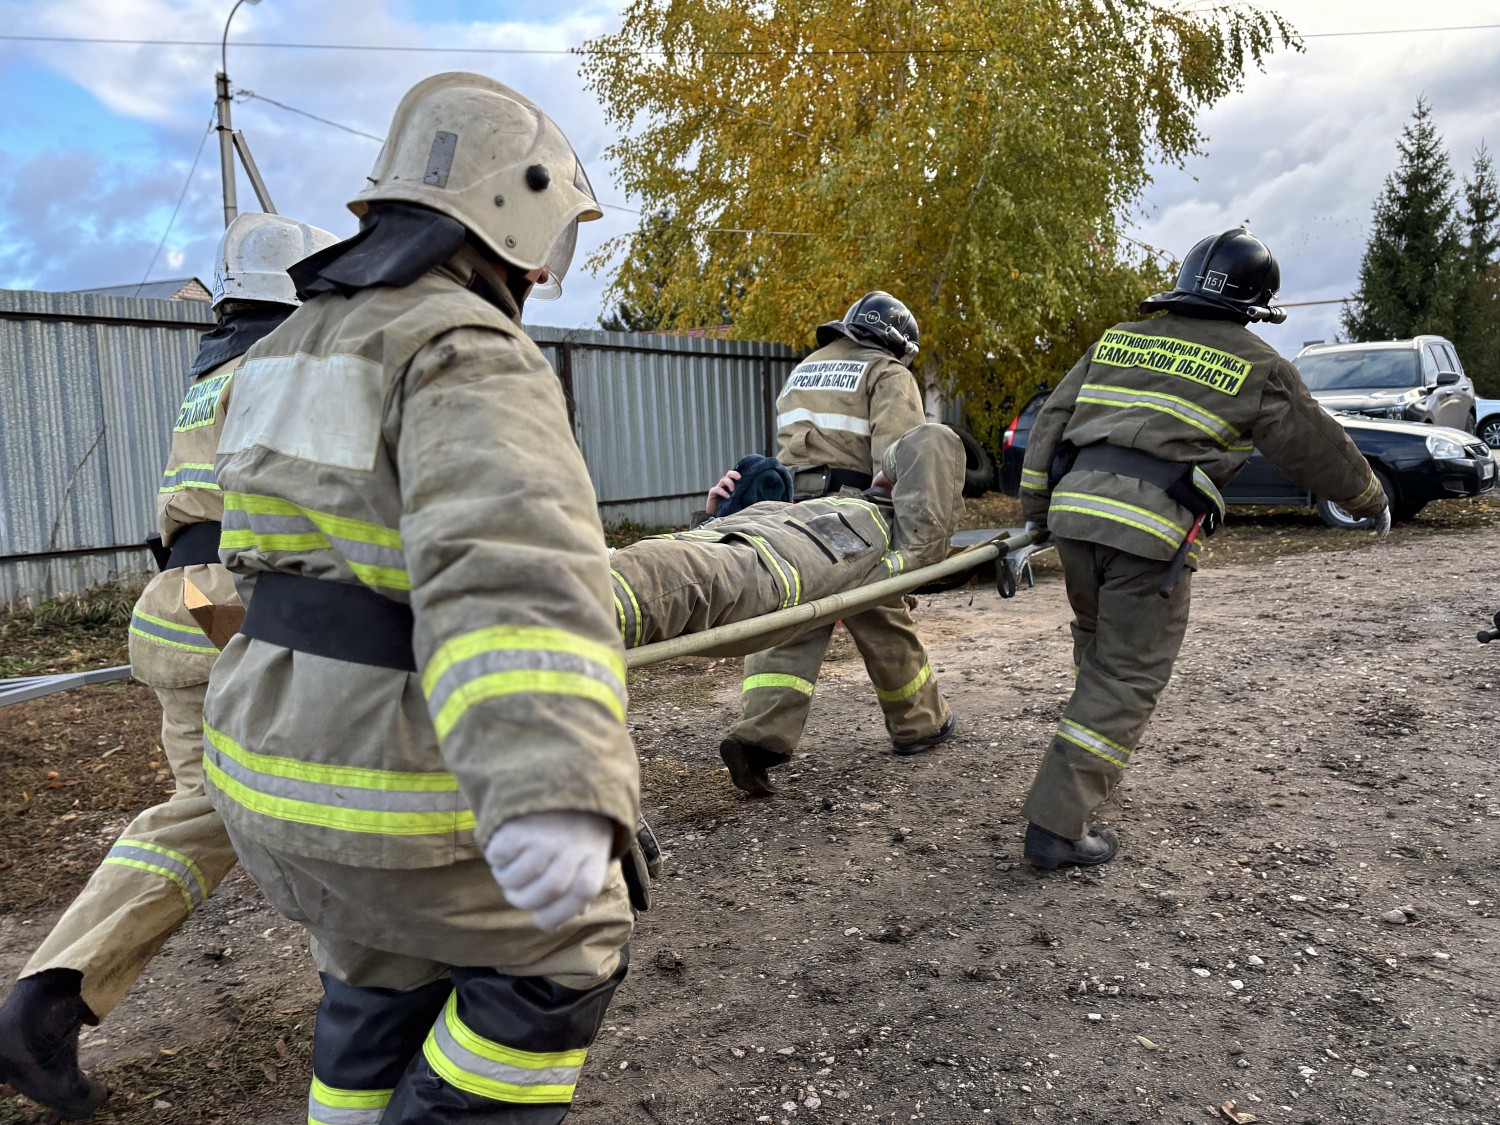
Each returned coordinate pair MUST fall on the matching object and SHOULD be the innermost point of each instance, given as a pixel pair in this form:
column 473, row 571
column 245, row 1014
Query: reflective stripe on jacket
column 844, row 406
column 1206, row 392
column 415, row 440
column 167, row 648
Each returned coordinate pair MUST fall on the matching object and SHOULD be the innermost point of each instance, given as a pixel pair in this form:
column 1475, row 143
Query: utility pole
column 226, row 143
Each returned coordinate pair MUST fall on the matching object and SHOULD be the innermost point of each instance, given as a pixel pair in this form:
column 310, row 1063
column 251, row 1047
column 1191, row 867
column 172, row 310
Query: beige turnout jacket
column 167, row 648
column 415, row 441
column 843, row 406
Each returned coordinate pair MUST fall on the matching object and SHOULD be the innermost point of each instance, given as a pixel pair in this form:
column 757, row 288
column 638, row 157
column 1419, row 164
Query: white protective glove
column 1042, row 534
column 552, row 863
column 1382, row 525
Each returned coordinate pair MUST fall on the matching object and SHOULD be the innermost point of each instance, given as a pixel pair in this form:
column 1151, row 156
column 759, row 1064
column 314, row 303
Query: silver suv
column 1417, row 380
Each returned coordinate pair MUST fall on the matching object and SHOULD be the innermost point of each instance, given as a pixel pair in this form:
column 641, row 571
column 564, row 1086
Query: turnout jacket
column 415, row 441
column 775, row 555
column 1190, row 390
column 167, row 647
column 843, row 406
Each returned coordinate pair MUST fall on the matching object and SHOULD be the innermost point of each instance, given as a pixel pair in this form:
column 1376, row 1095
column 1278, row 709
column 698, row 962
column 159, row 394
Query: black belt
column 847, row 478
column 1175, row 478
column 339, row 620
column 197, row 544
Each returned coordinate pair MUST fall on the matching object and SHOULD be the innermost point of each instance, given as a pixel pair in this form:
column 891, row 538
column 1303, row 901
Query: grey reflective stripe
column 1181, row 408
column 1206, row 486
column 1119, row 512
column 188, row 637
column 337, row 797
column 495, row 1071
column 496, row 661
column 1094, row 742
column 169, row 864
column 627, row 610
column 320, row 1113
column 188, row 476
column 355, row 550
column 847, row 423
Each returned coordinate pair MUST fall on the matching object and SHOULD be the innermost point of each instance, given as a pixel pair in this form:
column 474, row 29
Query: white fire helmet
column 481, row 153
column 254, row 255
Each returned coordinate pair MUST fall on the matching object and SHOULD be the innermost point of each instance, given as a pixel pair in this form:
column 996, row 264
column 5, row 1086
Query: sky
column 97, row 140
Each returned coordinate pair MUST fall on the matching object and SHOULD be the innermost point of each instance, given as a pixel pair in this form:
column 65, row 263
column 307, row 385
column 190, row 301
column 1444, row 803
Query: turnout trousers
column 779, row 682
column 166, row 863
column 441, row 1002
column 1126, row 637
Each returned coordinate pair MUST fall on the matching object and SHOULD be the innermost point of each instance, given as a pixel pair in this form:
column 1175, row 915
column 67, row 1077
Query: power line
column 405, row 48
column 1305, row 304
column 244, row 94
column 180, row 197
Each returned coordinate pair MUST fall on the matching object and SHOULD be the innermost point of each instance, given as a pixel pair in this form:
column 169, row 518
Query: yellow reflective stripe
column 517, row 682
column 1204, row 485
column 1104, row 509
column 387, row 576
column 895, row 562
column 169, row 633
column 481, row 1066
column 1367, row 494
column 793, row 584
column 165, row 872
column 356, row 777
column 1035, row 481
column 530, row 637
column 635, row 605
column 170, row 854
column 908, row 690
column 350, row 1099
column 344, row 527
column 1094, row 742
column 355, row 535
column 864, row 505
column 1213, row 368
column 1180, row 408
column 777, row 680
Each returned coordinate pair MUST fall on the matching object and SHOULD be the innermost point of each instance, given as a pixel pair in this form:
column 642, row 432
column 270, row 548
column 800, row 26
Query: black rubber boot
column 922, row 745
column 1050, row 851
column 39, row 1043
column 748, row 764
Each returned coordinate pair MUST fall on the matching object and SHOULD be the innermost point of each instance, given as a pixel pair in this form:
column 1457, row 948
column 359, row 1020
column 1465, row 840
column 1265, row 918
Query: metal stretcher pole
column 800, row 618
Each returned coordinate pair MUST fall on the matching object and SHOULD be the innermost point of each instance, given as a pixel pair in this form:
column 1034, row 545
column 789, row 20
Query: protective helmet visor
column 560, row 257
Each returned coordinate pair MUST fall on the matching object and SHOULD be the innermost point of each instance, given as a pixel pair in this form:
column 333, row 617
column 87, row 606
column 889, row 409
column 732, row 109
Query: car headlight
column 1444, row 449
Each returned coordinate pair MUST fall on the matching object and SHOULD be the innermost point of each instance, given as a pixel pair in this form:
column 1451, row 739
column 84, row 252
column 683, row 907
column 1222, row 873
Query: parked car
column 1488, row 428
column 1417, row 463
column 1416, row 380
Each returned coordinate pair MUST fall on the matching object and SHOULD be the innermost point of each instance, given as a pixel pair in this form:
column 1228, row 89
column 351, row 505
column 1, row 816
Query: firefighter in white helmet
column 418, row 739
column 171, row 856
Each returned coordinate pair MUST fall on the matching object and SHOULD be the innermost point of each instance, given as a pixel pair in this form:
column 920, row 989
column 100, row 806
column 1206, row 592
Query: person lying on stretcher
column 774, row 555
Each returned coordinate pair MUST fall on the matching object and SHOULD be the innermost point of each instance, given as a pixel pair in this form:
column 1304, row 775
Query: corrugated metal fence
column 89, row 386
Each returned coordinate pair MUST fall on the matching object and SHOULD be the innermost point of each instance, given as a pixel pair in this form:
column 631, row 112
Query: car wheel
column 1489, row 431
column 1471, row 425
column 979, row 466
column 1340, row 520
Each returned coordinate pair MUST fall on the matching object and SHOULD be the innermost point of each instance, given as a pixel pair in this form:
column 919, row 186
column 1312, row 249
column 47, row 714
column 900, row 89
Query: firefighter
column 171, row 856
column 774, row 555
column 1123, row 470
column 418, row 741
column 839, row 412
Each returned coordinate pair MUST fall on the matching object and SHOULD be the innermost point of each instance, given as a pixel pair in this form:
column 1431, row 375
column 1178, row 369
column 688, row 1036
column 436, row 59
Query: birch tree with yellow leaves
column 979, row 159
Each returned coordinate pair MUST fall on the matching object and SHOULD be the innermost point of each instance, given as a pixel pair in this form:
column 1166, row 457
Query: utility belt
column 339, row 620
column 1183, row 482
column 810, row 484
column 197, row 544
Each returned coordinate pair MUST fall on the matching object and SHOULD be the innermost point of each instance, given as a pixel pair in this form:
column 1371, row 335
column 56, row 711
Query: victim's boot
column 39, row 1025
column 1050, row 851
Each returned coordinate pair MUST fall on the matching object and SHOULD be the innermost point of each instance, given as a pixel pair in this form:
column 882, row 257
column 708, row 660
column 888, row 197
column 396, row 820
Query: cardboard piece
column 220, row 622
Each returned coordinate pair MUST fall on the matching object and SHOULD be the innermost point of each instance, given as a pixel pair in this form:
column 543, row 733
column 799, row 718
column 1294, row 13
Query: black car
column 1416, row 463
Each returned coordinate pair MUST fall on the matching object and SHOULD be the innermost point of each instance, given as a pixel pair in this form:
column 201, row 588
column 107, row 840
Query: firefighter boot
column 922, row 745
column 748, row 765
column 1049, row 851
column 39, row 1043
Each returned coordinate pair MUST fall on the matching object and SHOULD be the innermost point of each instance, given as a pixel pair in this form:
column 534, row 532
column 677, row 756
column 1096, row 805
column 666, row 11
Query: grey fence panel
column 89, row 385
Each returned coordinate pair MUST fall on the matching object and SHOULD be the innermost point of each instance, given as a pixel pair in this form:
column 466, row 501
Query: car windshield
column 1359, row 370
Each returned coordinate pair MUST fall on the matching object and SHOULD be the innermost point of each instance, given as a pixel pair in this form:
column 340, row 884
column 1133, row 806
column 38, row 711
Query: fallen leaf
column 169, row 1051
column 1146, row 1043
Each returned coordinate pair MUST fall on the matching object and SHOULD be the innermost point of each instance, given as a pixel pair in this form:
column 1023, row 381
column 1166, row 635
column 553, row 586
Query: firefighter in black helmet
column 841, row 409
column 1123, row 469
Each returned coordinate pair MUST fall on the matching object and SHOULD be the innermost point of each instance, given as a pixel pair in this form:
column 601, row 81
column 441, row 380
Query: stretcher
column 1011, row 552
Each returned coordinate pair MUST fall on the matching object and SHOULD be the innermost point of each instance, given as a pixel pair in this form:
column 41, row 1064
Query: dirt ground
column 868, row 946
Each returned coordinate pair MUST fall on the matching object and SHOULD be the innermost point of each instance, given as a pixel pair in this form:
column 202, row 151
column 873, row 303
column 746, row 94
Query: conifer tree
column 1478, row 337
column 1413, row 276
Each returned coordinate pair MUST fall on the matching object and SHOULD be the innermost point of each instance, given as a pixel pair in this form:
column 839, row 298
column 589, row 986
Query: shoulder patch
column 1208, row 366
column 828, row 375
column 201, row 403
